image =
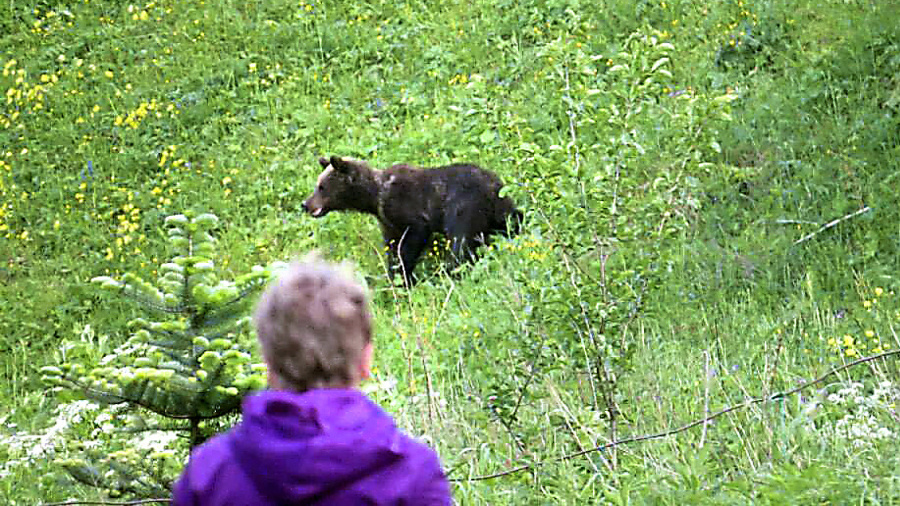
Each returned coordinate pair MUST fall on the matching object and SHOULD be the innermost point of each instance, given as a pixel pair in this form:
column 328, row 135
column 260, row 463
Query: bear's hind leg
column 462, row 249
column 466, row 226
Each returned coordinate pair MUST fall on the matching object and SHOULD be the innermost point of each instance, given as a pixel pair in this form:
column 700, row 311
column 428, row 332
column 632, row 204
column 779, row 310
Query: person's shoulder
column 216, row 447
column 432, row 487
column 416, row 460
column 419, row 451
column 207, row 460
column 381, row 422
column 199, row 475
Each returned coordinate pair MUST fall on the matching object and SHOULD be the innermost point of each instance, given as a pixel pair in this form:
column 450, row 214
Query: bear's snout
column 316, row 211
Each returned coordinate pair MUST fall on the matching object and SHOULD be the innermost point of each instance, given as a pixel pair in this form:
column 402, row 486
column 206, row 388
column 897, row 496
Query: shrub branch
column 683, row 428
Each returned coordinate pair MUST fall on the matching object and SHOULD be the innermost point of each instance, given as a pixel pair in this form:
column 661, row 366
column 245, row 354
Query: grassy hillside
column 711, row 216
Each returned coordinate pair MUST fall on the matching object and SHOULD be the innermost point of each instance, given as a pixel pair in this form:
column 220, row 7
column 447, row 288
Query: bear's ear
column 323, row 162
column 339, row 164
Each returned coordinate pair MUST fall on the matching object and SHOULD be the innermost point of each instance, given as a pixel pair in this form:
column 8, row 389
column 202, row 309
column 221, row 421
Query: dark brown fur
column 460, row 201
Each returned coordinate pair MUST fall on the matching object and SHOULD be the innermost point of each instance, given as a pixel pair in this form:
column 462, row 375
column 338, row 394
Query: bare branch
column 683, row 428
column 832, row 223
column 116, row 503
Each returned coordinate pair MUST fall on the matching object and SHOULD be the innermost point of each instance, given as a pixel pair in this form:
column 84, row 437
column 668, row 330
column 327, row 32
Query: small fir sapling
column 188, row 361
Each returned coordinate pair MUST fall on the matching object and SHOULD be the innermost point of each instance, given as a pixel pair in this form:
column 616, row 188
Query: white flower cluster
column 156, row 441
column 865, row 414
column 26, row 448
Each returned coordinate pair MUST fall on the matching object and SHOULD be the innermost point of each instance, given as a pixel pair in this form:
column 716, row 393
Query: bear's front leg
column 408, row 248
column 402, row 254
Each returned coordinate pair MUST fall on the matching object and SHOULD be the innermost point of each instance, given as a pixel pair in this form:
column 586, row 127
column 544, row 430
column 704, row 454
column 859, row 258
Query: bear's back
column 465, row 182
column 440, row 182
column 432, row 196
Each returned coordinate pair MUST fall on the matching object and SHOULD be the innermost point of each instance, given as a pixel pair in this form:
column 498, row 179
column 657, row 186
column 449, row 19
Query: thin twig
column 567, row 418
column 532, row 371
column 614, row 204
column 779, row 347
column 431, row 401
column 607, row 389
column 832, row 223
column 587, row 364
column 571, row 114
column 612, row 409
column 705, row 398
column 794, row 222
column 670, row 432
column 406, row 281
column 428, row 390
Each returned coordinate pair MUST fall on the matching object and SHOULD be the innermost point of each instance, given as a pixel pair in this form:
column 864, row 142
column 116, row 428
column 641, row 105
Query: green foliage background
column 670, row 157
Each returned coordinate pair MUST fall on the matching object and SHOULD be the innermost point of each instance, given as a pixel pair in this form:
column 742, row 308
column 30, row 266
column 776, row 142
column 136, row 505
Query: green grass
column 668, row 157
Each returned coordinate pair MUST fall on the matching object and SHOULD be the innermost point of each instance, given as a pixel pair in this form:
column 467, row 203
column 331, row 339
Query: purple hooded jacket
column 324, row 446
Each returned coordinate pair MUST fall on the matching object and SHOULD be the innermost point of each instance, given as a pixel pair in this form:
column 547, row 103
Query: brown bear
column 460, row 201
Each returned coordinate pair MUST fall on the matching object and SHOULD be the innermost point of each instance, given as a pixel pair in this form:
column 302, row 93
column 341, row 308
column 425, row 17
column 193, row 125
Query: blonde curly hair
column 313, row 324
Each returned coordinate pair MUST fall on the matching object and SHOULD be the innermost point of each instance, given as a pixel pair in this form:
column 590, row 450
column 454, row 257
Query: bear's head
column 343, row 184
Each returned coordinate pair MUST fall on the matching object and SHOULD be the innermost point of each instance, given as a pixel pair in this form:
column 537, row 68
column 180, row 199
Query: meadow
column 711, row 223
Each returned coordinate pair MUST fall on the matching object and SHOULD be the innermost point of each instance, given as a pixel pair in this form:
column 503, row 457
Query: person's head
column 315, row 328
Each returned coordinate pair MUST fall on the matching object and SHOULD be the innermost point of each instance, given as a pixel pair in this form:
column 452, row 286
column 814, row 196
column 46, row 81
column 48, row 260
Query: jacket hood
column 304, row 447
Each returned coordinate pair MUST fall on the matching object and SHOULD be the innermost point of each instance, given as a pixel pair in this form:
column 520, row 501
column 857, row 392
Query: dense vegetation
column 710, row 217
